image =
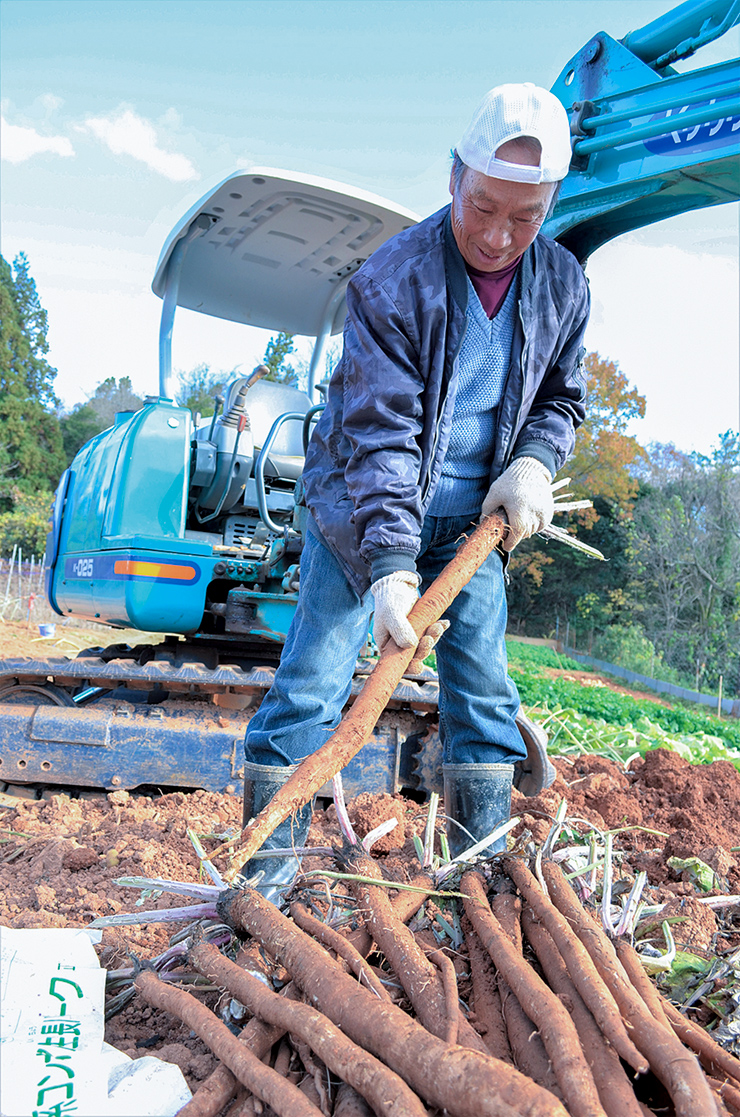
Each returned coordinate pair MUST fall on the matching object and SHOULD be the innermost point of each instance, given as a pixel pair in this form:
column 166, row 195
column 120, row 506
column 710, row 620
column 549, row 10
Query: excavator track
column 159, row 716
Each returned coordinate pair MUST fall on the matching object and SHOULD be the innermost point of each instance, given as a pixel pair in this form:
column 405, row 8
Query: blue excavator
column 193, row 529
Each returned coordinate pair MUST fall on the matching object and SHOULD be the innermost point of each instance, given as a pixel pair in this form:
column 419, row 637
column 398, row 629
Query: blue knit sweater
column 483, row 363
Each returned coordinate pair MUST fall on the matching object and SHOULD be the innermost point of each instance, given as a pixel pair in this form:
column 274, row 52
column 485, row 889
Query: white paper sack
column 53, row 1060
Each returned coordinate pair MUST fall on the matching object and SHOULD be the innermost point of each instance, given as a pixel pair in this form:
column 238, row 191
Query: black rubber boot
column 260, row 784
column 478, row 797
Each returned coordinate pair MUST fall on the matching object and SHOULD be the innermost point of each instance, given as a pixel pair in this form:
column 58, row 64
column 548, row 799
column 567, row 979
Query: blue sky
column 120, row 114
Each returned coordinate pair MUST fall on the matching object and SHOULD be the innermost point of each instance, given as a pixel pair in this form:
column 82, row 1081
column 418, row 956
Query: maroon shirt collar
column 492, row 287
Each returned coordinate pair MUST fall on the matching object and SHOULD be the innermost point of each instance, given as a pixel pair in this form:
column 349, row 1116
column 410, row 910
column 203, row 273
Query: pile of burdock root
column 530, row 1008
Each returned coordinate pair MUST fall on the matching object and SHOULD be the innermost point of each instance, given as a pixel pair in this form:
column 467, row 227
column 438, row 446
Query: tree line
column 666, row 603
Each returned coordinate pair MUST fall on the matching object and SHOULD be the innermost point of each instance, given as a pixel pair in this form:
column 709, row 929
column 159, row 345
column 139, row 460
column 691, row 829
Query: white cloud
column 126, row 133
column 50, row 102
column 19, row 143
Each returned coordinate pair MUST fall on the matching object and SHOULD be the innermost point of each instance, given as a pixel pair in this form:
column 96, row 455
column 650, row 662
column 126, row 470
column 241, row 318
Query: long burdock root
column 380, row 1086
column 728, row 1094
column 580, row 967
column 359, row 722
column 716, row 1061
column 449, row 983
column 615, row 1089
column 540, row 1004
column 466, row 1083
column 339, row 944
column 669, row 1060
column 405, row 906
column 486, row 1000
column 643, row 985
column 529, row 1052
column 420, row 979
column 269, row 1087
column 214, row 1092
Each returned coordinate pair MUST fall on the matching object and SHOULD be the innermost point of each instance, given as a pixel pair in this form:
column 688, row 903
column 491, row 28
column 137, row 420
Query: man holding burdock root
column 457, row 394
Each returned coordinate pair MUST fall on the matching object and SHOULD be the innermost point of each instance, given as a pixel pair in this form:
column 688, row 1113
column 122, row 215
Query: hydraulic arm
column 649, row 142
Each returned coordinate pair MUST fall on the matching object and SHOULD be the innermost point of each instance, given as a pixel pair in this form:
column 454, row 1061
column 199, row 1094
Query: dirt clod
column 81, row 858
column 367, row 811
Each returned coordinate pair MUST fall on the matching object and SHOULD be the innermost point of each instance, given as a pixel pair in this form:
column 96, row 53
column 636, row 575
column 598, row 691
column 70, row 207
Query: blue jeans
column 478, row 700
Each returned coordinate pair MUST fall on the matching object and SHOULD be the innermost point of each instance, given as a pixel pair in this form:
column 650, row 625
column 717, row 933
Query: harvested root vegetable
column 530, row 1056
column 675, row 1066
column 405, row 906
column 466, row 1083
column 276, row 1091
column 360, row 720
column 718, row 1062
column 643, row 985
column 339, row 944
column 580, row 967
column 213, row 1094
column 449, row 983
column 615, row 1089
column 486, row 1000
column 727, row 1094
column 419, row 977
column 540, row 1004
column 385, row 1091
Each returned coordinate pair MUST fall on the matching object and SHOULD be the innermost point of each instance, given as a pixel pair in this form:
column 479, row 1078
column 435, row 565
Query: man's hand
column 395, row 596
column 524, row 492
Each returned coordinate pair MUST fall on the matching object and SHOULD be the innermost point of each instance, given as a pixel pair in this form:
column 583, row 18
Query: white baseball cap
column 508, row 112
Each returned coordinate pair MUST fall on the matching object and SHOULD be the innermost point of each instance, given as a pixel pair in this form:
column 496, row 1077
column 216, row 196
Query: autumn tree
column 31, row 455
column 550, row 581
column 604, row 455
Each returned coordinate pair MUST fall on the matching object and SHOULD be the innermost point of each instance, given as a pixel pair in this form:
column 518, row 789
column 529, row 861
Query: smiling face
column 495, row 220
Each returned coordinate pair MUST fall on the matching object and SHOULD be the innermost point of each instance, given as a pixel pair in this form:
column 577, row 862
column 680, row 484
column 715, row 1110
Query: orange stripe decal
column 140, row 569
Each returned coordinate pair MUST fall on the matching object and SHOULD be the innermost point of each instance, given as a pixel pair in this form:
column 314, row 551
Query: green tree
column 112, row 396
column 79, row 427
column 27, row 524
column 199, row 386
column 278, row 349
column 98, row 414
column 31, row 452
column 686, row 547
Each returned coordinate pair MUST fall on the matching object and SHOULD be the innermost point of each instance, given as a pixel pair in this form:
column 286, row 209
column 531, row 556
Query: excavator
column 190, row 530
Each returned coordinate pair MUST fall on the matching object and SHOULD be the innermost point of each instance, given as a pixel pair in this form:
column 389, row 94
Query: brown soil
column 59, row 858
column 18, row 638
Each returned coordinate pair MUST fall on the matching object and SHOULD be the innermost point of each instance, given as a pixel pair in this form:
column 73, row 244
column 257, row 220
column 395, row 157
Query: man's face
column 495, row 220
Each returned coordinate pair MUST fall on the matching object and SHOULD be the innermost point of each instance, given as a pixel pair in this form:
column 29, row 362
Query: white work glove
column 524, row 492
column 395, row 596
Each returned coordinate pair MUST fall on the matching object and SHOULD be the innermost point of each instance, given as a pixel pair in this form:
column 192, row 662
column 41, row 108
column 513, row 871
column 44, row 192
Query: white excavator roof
column 279, row 249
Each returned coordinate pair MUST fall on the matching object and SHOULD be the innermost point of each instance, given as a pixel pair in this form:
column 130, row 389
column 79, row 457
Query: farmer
column 458, row 392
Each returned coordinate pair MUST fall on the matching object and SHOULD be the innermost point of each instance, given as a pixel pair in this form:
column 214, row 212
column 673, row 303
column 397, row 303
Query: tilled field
column 428, row 987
